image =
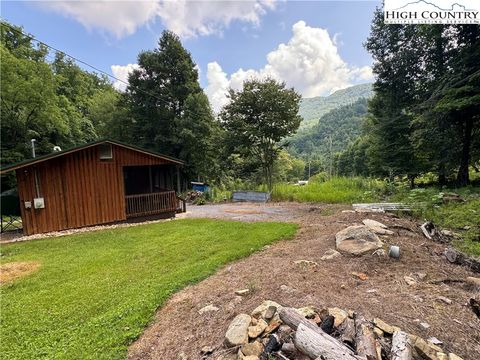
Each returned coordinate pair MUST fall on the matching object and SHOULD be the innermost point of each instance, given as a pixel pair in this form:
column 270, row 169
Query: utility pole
column 33, row 147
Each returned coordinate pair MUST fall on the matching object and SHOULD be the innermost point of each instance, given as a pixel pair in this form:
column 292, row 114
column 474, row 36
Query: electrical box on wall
column 28, row 204
column 39, row 203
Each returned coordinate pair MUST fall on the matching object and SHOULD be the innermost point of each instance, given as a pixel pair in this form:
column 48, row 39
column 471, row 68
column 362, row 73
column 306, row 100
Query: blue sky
column 322, row 39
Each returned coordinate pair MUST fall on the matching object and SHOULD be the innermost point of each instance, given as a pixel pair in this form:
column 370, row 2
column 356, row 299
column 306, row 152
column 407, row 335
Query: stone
column 330, row 254
column 434, row 341
column 377, row 227
column 257, row 330
column 261, row 309
column 339, row 314
column 409, row 280
column 208, row 308
column 380, row 253
column 237, row 332
column 452, row 356
column 274, row 325
column 270, row 313
column 424, row 325
column 444, row 299
column 378, row 332
column 287, row 289
column 374, row 223
column 475, row 281
column 357, row 240
column 426, row 350
column 306, row 263
column 420, row 275
column 252, row 349
column 206, row 350
column 371, row 291
column 306, row 311
column 361, row 276
column 242, row 292
column 387, row 328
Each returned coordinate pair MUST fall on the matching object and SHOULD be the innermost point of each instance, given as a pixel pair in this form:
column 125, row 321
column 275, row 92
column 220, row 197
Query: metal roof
column 54, row 155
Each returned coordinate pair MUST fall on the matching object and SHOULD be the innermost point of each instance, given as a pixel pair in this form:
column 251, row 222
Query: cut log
column 320, row 345
column 347, row 329
column 365, row 339
column 292, row 318
column 401, row 346
column 457, row 257
column 312, row 341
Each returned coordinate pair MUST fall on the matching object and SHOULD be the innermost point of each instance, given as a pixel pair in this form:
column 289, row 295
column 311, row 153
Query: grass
column 95, row 292
column 336, row 190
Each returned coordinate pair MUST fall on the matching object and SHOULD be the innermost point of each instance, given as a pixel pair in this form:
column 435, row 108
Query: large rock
column 261, row 310
column 237, row 332
column 357, row 240
column 330, row 254
column 377, row 227
column 339, row 314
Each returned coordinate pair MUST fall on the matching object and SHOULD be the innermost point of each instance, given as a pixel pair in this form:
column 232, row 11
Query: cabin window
column 105, row 151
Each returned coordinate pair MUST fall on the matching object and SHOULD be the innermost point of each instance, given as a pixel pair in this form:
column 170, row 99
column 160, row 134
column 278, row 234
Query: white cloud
column 309, row 62
column 187, row 18
column 119, row 18
column 121, row 72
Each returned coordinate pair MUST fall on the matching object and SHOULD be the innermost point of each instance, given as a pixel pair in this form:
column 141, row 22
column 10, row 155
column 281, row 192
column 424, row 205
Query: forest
column 421, row 119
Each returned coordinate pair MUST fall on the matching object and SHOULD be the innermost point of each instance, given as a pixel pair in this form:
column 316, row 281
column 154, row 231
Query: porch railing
column 150, row 204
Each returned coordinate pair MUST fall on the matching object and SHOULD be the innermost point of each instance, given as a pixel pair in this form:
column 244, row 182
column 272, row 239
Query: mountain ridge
column 312, row 109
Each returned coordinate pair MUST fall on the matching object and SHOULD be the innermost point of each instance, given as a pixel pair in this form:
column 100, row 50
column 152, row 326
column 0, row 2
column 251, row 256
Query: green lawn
column 95, row 292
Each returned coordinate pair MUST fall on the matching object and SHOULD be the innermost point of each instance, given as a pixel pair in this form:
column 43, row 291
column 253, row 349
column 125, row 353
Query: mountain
column 332, row 133
column 312, row 109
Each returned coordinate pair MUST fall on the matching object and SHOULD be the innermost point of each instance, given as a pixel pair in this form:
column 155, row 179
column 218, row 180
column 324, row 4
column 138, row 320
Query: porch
column 149, row 191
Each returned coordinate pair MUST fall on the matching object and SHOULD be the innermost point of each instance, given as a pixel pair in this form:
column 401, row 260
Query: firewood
column 312, row 341
column 320, row 345
column 347, row 331
column 365, row 339
column 401, row 346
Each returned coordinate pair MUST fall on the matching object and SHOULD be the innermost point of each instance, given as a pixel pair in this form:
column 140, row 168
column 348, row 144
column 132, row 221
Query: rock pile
column 272, row 331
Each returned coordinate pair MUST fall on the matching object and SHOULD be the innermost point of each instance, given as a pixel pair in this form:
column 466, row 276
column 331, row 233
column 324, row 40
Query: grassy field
column 95, row 292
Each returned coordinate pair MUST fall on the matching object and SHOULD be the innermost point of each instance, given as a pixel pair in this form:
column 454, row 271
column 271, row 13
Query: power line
column 31, row 37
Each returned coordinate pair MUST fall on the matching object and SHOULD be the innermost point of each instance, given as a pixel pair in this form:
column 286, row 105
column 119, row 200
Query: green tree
column 157, row 92
column 258, row 117
column 198, row 133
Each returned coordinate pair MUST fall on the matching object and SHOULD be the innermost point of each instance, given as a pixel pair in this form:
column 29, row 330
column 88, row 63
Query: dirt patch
column 14, row 270
column 179, row 330
column 245, row 211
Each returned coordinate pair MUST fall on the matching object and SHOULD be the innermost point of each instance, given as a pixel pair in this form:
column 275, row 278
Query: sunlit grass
column 94, row 293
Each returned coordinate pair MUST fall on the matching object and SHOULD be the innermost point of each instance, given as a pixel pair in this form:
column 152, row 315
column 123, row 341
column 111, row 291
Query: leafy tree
column 258, row 117
column 395, row 50
column 157, row 92
column 198, row 132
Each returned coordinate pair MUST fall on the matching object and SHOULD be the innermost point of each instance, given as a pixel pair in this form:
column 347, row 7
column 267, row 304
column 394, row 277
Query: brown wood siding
column 79, row 189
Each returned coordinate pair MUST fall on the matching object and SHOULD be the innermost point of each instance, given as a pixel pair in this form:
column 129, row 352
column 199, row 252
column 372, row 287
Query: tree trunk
column 462, row 176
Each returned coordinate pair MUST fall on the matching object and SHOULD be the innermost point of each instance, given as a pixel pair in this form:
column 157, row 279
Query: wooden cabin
column 97, row 183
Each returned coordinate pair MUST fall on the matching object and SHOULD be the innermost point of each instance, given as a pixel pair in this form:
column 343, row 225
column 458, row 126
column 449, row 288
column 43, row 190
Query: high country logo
column 431, row 12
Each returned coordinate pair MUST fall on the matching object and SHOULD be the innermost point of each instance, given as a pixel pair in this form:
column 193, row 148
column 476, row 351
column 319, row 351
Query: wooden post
column 178, row 180
column 150, row 178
